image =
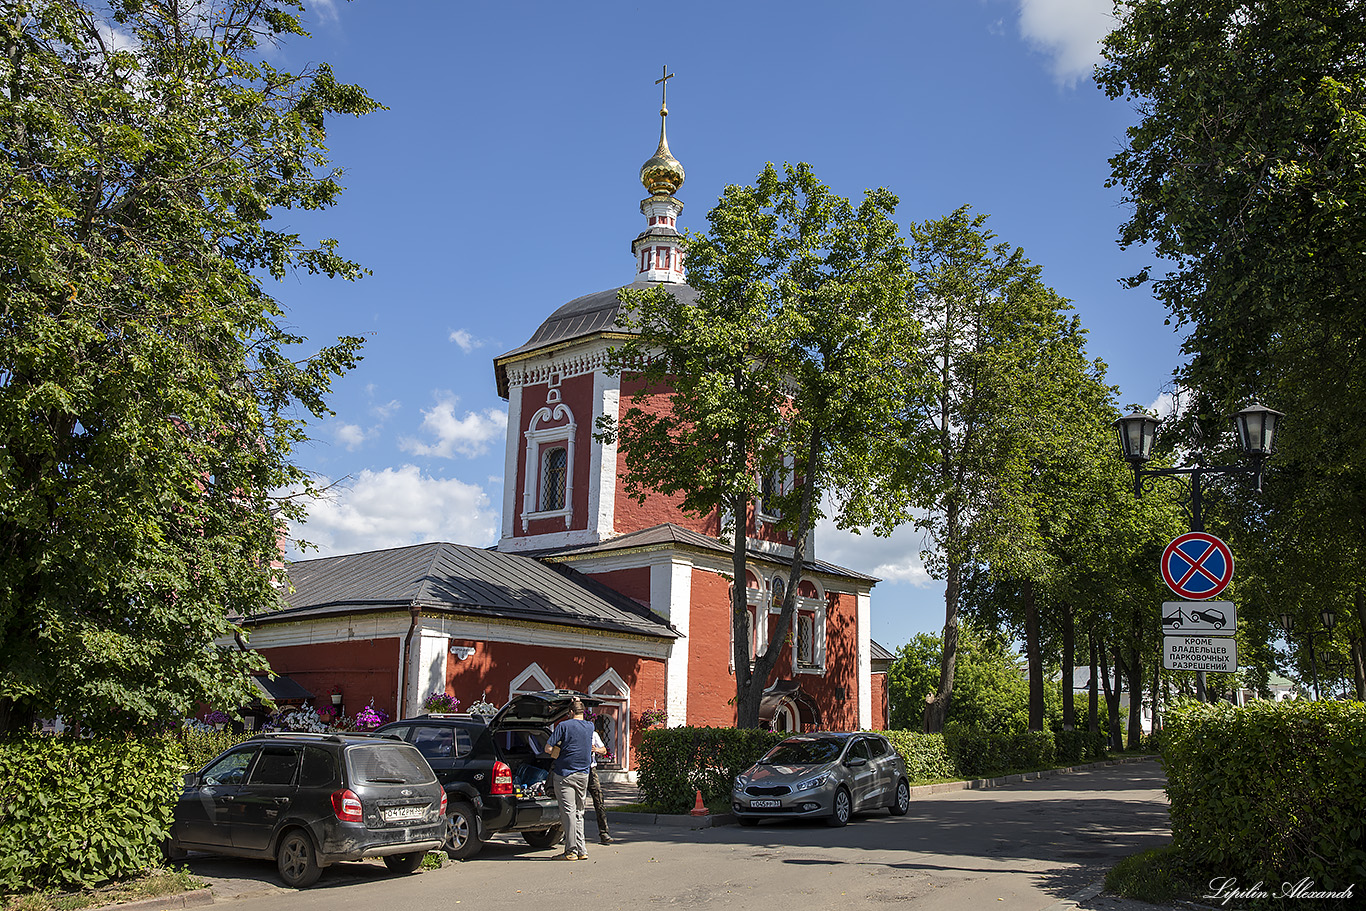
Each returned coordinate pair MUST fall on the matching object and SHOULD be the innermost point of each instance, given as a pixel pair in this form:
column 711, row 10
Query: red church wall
column 878, row 685
column 576, row 394
column 362, row 670
column 633, row 583
column 657, row 509
column 489, row 673
column 711, row 685
column 841, row 665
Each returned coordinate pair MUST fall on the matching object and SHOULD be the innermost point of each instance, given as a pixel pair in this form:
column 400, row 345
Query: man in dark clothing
column 595, row 791
column 571, row 747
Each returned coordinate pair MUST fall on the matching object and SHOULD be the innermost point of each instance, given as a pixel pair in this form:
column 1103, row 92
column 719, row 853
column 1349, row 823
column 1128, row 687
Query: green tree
column 991, row 692
column 793, row 354
column 1247, row 174
column 149, row 395
column 985, row 312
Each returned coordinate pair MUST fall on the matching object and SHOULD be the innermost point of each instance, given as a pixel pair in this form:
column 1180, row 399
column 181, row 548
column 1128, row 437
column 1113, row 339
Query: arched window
column 554, row 473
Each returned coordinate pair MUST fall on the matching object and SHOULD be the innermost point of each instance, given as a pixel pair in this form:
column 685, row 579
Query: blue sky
column 503, row 181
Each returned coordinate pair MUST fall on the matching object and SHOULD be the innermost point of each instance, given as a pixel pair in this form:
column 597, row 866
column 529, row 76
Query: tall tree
column 149, row 396
column 793, row 354
column 982, row 307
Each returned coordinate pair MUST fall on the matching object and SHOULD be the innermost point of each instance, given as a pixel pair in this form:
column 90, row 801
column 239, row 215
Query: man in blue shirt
column 571, row 747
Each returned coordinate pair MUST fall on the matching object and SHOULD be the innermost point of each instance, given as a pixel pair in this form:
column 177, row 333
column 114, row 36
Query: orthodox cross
column 664, row 86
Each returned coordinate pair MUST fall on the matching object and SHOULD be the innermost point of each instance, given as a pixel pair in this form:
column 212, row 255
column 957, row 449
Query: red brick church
column 586, row 589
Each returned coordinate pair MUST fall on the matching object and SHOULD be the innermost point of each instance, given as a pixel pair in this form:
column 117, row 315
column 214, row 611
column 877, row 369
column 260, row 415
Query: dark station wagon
column 310, row 800
column 495, row 770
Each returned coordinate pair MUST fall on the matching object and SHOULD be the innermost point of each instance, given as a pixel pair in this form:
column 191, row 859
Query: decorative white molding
column 533, row 673
column 427, row 674
column 538, row 440
column 511, row 459
column 577, row 361
column 602, row 491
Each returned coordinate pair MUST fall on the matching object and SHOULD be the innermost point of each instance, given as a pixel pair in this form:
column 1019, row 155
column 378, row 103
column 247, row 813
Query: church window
column 554, row 473
column 770, row 490
column 667, row 259
column 806, row 640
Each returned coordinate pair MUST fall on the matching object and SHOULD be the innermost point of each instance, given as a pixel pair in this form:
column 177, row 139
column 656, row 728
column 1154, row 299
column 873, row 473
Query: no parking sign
column 1197, row 565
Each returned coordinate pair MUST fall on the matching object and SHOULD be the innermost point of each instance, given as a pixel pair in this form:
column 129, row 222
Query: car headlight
column 738, row 784
column 811, row 784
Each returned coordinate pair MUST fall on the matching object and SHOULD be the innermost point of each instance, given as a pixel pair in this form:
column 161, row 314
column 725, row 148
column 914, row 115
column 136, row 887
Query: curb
column 924, row 790
column 195, row 899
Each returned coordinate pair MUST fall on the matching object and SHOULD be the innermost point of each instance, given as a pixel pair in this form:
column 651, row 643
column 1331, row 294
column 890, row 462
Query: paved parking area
column 1038, row 845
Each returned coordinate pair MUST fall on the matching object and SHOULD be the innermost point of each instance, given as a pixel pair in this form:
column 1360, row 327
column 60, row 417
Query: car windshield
column 388, row 763
column 804, row 751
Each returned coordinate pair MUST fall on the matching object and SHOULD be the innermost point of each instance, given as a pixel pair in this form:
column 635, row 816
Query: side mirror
column 191, row 779
column 854, row 762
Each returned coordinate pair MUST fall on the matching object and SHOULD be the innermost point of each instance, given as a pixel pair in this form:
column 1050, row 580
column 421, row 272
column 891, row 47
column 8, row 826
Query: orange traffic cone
column 699, row 808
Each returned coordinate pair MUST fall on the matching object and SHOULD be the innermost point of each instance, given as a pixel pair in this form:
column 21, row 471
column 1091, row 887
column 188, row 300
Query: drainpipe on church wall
column 403, row 662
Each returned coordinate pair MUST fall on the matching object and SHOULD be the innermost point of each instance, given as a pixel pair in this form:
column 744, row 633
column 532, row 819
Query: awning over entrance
column 280, row 688
column 786, row 701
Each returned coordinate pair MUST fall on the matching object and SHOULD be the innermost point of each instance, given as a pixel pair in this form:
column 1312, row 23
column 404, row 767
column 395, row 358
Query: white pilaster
column 602, row 495
column 865, row 660
column 510, row 458
column 671, row 594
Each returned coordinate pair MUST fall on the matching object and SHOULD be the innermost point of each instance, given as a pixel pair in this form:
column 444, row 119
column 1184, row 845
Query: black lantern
column 1136, row 434
column 1329, row 619
column 1257, row 425
column 1287, row 622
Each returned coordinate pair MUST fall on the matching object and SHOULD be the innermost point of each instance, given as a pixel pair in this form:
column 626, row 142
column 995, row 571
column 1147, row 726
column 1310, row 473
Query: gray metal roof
column 461, row 580
column 676, row 535
column 582, row 317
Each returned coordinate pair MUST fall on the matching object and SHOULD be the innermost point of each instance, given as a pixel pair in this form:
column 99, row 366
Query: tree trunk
column 1033, row 656
column 936, row 710
column 1112, row 695
column 1069, row 709
column 15, row 717
column 1135, row 675
column 1092, row 688
column 1157, row 706
column 748, row 693
column 1359, row 653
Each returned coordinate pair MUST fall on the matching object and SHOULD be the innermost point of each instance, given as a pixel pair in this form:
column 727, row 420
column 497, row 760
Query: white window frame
column 533, row 672
column 620, row 697
column 538, row 442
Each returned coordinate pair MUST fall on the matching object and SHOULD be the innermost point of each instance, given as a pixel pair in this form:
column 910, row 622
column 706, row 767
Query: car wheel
column 901, row 804
column 403, row 863
column 462, row 832
column 544, row 838
column 841, row 809
column 172, row 851
column 296, row 860
column 747, row 820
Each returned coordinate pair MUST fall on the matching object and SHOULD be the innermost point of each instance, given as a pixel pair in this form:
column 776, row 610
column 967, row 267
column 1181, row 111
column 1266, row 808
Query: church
column 586, row 589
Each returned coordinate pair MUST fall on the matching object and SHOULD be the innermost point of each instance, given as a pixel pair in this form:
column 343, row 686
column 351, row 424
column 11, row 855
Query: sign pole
column 1197, row 524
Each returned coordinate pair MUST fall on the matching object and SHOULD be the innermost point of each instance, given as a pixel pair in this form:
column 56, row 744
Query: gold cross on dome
column 663, row 83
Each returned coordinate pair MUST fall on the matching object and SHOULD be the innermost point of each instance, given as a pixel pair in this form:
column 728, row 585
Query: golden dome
column 662, row 175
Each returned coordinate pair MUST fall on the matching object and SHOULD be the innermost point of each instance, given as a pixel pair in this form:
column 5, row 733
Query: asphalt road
column 1032, row 845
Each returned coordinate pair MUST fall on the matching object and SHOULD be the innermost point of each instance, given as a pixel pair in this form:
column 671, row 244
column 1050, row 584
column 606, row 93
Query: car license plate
column 397, row 814
column 764, row 804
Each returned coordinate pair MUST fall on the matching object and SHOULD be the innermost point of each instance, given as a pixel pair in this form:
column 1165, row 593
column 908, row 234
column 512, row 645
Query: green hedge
column 983, row 754
column 200, row 746
column 675, row 763
column 925, row 755
column 74, row 812
column 1271, row 791
column 1081, row 745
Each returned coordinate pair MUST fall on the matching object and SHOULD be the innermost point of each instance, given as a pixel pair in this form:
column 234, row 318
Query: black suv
column 309, row 800
column 495, row 771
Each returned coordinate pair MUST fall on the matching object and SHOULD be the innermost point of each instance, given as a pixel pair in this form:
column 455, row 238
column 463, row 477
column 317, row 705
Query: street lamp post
column 1257, row 426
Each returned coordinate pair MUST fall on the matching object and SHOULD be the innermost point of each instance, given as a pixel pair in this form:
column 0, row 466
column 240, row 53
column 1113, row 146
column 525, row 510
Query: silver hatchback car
column 823, row 774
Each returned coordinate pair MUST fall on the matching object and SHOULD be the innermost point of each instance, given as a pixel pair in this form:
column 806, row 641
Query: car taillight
column 346, row 805
column 502, row 779
column 443, row 804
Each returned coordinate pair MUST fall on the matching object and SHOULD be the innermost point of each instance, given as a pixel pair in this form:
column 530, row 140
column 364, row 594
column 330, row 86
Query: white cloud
column 893, row 559
column 1069, row 32
column 469, row 435
column 397, row 507
column 466, row 341
column 350, row 436
column 326, row 10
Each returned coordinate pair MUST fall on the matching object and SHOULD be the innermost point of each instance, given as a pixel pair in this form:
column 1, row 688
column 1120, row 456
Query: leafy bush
column 74, row 812
column 1292, row 770
column 199, row 746
column 675, row 763
column 982, row 754
column 925, row 755
column 1080, row 745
